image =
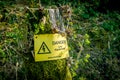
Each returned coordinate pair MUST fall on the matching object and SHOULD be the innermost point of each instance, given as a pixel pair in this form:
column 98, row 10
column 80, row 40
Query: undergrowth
column 93, row 41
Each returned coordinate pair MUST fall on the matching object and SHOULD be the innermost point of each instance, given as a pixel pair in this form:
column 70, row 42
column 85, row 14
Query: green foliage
column 103, row 62
column 11, row 47
column 93, row 42
column 39, row 21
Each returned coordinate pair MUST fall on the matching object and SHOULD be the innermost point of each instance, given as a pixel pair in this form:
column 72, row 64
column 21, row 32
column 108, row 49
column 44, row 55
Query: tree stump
column 42, row 21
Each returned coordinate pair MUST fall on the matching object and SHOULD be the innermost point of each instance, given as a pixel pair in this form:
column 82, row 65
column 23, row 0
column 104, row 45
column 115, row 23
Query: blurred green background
column 94, row 38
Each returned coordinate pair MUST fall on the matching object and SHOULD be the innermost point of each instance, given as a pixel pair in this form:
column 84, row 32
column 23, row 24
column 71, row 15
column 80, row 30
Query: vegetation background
column 93, row 37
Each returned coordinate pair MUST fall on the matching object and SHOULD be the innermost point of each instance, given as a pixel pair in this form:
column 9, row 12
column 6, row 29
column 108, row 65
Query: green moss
column 46, row 70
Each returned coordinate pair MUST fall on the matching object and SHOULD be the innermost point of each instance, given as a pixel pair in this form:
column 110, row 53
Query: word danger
column 58, row 42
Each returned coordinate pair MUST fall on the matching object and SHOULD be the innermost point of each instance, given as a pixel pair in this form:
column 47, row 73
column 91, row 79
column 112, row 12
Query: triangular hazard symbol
column 44, row 49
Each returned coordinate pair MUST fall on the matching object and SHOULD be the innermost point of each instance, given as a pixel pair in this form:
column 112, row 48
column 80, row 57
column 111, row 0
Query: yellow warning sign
column 50, row 47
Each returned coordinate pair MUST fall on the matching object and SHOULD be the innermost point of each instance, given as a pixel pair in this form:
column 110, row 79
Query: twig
column 81, row 49
column 31, row 12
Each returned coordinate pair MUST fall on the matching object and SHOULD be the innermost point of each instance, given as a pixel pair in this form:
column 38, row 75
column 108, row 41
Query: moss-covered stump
column 44, row 22
column 48, row 70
